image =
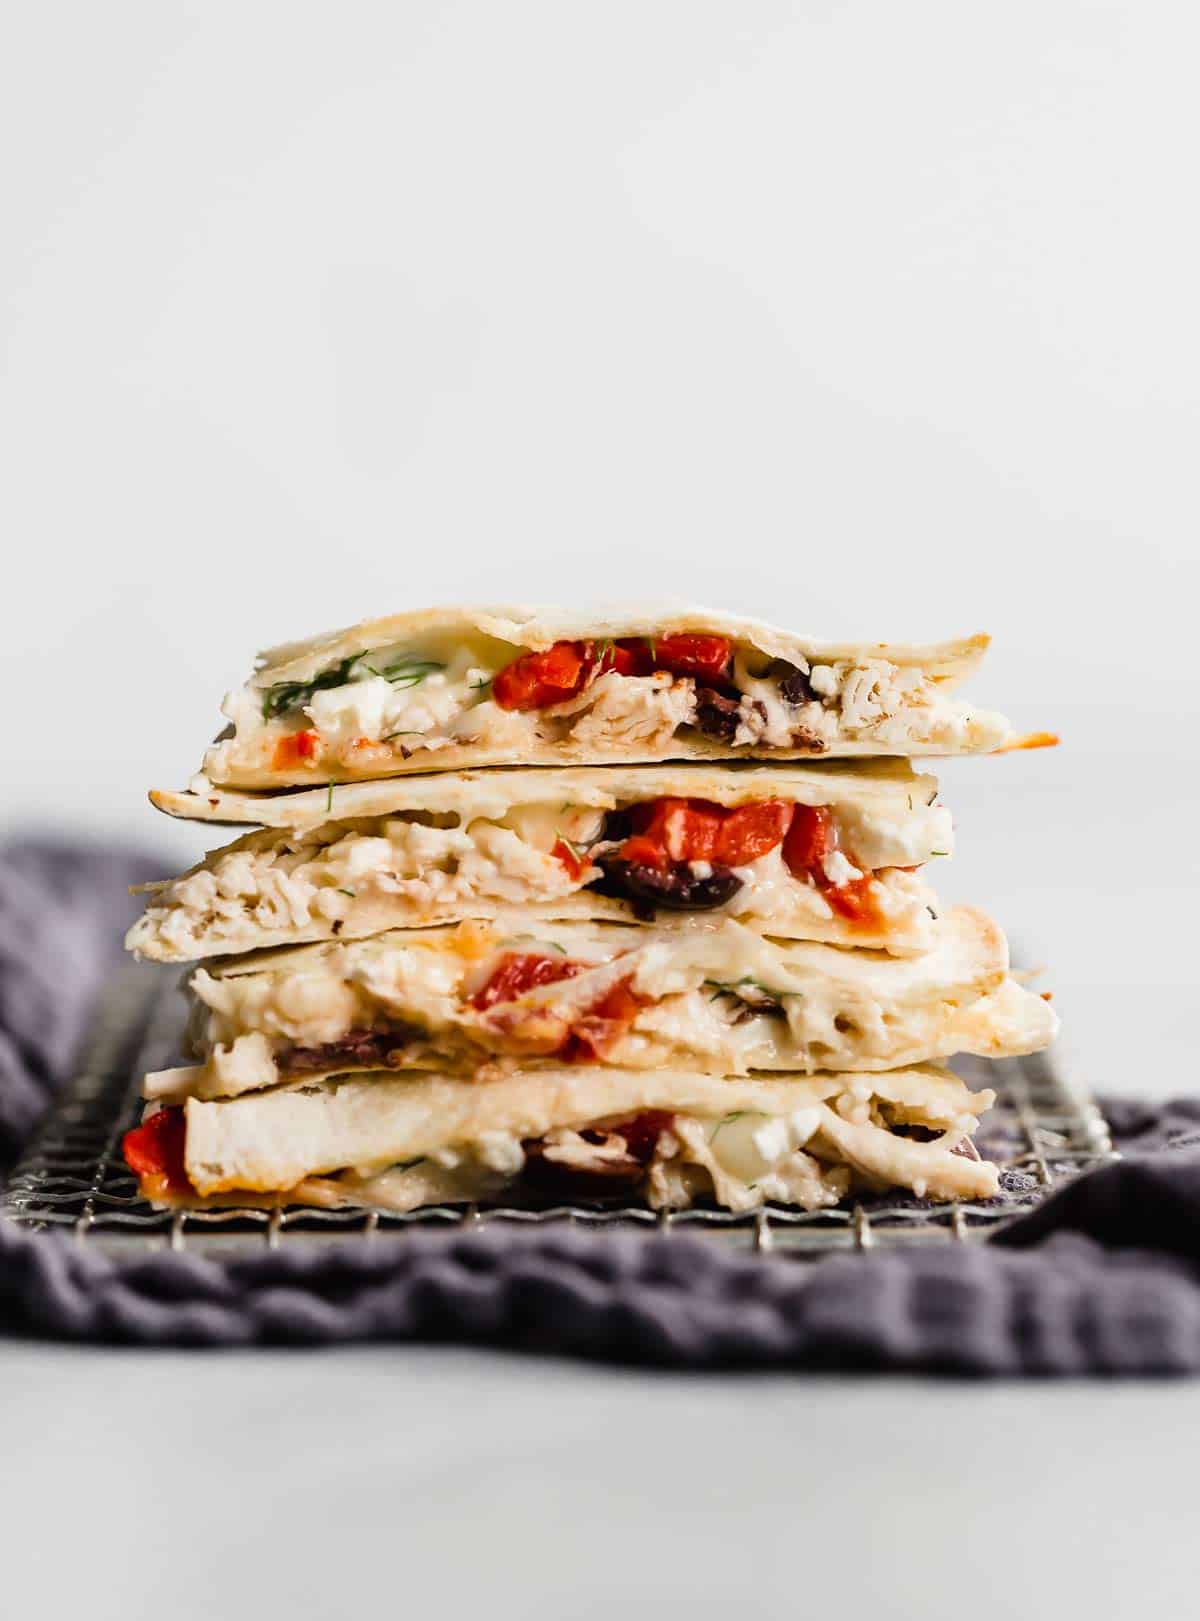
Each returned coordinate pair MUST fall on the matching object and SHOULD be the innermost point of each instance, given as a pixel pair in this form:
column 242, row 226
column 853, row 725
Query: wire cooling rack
column 1042, row 1132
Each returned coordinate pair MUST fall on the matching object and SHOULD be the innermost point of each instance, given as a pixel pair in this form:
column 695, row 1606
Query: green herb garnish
column 727, row 1120
column 285, row 697
column 329, row 798
column 410, row 672
column 408, row 1164
column 652, row 643
column 939, row 852
column 349, row 892
column 532, row 940
column 723, row 987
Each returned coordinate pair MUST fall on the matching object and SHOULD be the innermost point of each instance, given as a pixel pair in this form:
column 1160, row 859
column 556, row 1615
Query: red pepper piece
column 537, row 680
column 627, row 657
column 811, row 837
column 155, row 1150
column 520, row 972
column 643, row 852
column 576, row 864
column 296, row 748
column 681, row 829
column 752, row 831
column 602, row 1025
column 855, row 901
column 705, row 657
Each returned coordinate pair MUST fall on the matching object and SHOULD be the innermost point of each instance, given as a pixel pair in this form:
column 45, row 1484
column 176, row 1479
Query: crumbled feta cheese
column 356, row 709
column 822, row 678
column 838, row 870
column 499, row 1151
column 771, row 1140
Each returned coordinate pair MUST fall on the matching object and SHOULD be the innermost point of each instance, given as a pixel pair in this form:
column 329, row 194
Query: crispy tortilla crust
column 539, row 627
column 270, row 1143
column 891, row 786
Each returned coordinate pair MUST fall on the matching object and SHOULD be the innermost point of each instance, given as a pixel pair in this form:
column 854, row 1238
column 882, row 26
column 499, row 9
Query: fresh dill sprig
column 287, row 696
column 410, row 672
column 723, row 987
column 726, row 1120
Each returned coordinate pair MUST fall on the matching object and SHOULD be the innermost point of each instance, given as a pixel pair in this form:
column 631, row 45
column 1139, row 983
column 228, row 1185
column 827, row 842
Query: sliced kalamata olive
column 675, row 889
column 794, row 685
column 716, row 715
column 360, row 1049
column 966, row 1149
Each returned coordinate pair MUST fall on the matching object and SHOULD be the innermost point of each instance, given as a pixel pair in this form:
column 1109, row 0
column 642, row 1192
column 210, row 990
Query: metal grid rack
column 1042, row 1132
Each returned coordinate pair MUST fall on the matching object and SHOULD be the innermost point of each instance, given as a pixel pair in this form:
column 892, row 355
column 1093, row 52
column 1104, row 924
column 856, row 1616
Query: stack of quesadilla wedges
column 535, row 904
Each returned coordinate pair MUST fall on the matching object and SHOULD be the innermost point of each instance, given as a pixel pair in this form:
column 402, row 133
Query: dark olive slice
column 677, row 889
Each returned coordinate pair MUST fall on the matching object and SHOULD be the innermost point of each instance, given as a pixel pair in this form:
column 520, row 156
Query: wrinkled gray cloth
column 1102, row 1278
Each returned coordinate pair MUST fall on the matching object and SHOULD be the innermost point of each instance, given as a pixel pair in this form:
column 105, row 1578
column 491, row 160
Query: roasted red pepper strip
column 753, row 830
column 706, row 657
column 520, row 972
column 574, row 861
column 296, row 748
column 601, row 1026
column 811, row 837
column 154, row 1151
column 537, row 680
column 697, row 830
column 856, row 900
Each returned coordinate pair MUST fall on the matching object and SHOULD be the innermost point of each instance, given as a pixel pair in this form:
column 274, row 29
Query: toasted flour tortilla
column 723, row 1000
column 881, row 787
column 425, row 851
column 412, row 693
column 399, row 1141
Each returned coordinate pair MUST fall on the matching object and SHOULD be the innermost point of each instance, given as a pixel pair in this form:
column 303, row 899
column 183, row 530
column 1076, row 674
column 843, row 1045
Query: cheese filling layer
column 373, row 712
column 670, row 1136
column 723, row 999
column 355, row 878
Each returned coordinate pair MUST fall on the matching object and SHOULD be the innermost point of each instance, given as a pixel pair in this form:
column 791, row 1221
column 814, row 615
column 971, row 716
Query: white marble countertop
column 462, row 1483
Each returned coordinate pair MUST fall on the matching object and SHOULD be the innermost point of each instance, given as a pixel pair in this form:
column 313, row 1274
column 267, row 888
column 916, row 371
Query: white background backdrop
column 860, row 316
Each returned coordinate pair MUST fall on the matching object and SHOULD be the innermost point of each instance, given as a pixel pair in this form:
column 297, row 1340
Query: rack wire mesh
column 1042, row 1132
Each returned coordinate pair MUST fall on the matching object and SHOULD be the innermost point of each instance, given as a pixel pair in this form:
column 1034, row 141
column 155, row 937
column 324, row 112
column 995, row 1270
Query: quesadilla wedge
column 485, row 997
column 666, row 1136
column 449, row 688
column 803, row 852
